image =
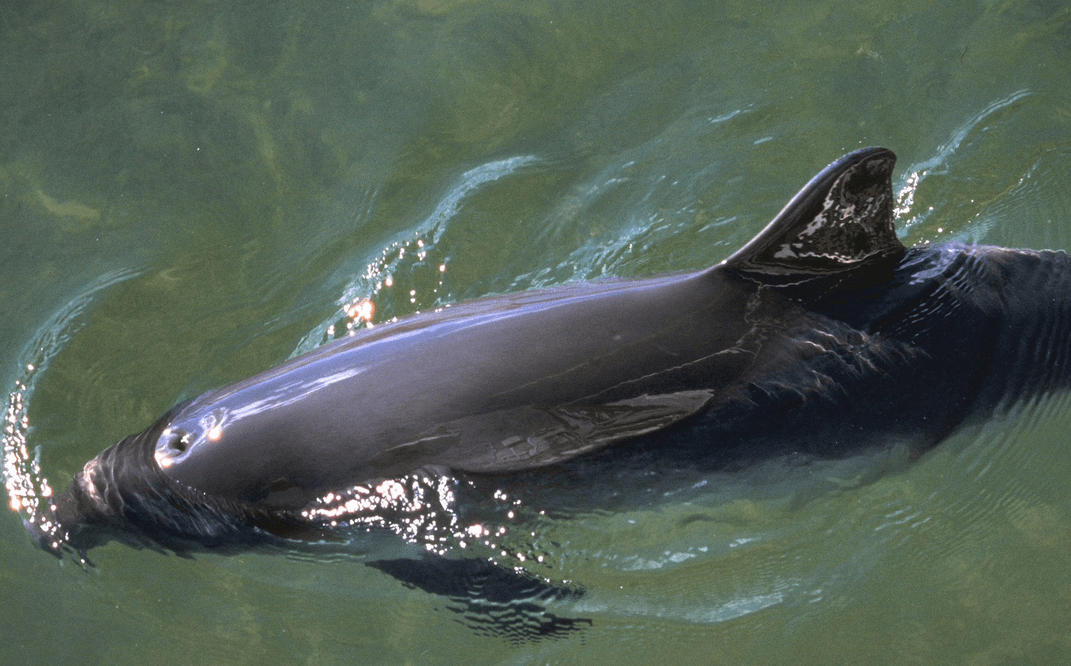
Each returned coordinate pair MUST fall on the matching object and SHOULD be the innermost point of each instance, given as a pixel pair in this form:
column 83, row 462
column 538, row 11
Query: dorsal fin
column 842, row 220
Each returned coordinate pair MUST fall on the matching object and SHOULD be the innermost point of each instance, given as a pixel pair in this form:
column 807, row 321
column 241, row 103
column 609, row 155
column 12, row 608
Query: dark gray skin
column 821, row 335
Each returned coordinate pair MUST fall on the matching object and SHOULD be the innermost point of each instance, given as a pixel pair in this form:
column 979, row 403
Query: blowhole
column 179, row 442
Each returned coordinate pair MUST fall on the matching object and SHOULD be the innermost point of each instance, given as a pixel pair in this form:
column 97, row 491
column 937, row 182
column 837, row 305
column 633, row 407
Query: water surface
column 193, row 192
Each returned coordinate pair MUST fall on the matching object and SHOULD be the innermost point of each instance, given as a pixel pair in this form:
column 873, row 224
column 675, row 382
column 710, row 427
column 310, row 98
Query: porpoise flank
column 823, row 323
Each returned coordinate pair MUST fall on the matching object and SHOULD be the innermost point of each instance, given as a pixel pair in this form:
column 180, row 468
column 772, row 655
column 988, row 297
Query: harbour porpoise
column 822, row 324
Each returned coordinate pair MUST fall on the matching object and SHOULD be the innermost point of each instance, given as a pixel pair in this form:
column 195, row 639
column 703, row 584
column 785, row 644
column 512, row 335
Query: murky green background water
column 192, row 191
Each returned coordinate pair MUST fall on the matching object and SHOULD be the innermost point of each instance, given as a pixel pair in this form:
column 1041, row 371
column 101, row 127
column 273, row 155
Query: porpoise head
column 124, row 495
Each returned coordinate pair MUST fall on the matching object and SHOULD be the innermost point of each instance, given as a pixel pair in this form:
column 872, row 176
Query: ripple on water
column 29, row 492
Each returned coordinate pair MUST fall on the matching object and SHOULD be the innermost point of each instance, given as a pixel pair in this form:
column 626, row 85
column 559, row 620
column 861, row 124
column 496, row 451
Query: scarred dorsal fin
column 842, row 220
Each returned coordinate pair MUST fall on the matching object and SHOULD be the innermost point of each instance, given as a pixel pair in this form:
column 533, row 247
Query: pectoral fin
column 491, row 599
column 532, row 436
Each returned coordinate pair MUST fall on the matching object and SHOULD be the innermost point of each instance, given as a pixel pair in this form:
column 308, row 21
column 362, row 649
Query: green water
column 192, row 192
